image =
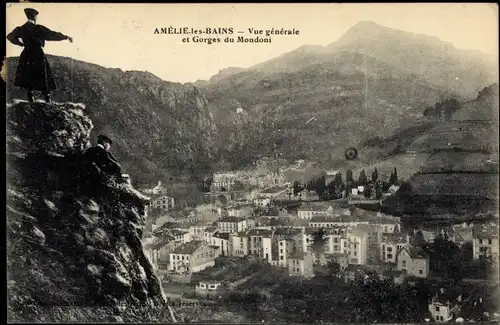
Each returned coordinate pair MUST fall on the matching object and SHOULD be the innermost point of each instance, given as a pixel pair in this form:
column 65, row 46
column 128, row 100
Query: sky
column 122, row 35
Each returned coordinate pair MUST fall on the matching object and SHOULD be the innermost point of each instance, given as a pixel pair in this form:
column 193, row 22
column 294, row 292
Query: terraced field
column 476, row 136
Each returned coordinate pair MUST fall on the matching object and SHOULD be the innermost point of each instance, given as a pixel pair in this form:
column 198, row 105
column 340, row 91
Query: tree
column 333, row 266
column 362, row 180
column 394, row 177
column 331, row 189
column 349, row 176
column 320, row 186
column 338, row 179
column 350, row 182
column 419, row 239
column 318, row 243
column 446, row 259
column 368, row 192
column 375, row 175
column 378, row 191
column 297, row 188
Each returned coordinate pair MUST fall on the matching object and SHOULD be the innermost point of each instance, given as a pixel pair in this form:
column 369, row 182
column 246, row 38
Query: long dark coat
column 103, row 159
column 33, row 70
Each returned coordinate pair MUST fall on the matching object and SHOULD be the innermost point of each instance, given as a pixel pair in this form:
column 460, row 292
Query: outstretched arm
column 50, row 35
column 13, row 37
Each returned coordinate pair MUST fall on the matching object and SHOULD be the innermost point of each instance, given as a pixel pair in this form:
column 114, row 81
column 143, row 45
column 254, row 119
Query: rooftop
column 287, row 232
column 164, row 240
column 221, row 235
column 260, row 232
column 274, row 189
column 384, row 221
column 332, row 219
column 210, row 229
column 178, row 232
column 395, row 238
column 189, row 247
column 392, row 273
column 414, row 252
column 485, row 232
column 210, row 281
column 241, row 206
column 230, row 219
column 312, row 207
column 159, row 196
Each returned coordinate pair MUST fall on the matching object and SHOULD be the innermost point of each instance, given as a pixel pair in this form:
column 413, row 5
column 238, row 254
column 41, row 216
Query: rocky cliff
column 74, row 250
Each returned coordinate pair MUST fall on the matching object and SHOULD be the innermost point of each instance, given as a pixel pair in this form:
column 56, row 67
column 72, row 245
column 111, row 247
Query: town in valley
column 314, row 245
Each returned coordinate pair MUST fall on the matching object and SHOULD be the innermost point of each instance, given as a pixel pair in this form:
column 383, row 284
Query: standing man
column 33, row 70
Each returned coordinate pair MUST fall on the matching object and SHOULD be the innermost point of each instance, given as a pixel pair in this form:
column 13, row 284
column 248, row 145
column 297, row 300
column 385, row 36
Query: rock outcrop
column 74, row 249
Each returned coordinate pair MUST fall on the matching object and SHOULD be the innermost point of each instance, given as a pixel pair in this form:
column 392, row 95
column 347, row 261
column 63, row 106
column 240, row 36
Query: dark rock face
column 74, row 250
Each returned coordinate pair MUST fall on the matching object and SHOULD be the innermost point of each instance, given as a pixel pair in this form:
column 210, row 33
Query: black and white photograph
column 252, row 163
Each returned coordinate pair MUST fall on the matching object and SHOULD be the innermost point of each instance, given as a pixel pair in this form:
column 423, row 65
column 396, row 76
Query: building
column 307, row 211
column 462, row 234
column 157, row 190
column 262, row 201
column 181, row 236
column 239, row 244
column 334, row 236
column 221, row 240
column 272, row 179
column 223, row 181
column 196, row 232
column 208, row 233
column 287, row 241
column 301, row 264
column 445, row 304
column 306, row 195
column 276, row 192
column 231, row 224
column 241, row 211
column 300, row 163
column 285, row 249
column 207, row 286
column 485, row 241
column 390, row 244
column 355, row 245
column 192, row 257
column 387, row 223
column 158, row 252
column 331, row 221
column 414, row 261
column 161, row 202
column 256, row 241
column 375, row 233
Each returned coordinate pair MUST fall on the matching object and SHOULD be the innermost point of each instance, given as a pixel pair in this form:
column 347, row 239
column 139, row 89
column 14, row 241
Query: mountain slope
column 460, row 177
column 370, row 83
column 484, row 107
column 463, row 72
column 74, row 250
column 159, row 129
column 347, row 106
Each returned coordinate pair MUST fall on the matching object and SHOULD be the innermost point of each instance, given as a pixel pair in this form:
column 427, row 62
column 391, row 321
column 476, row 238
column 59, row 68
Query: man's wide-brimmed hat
column 30, row 13
column 102, row 138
